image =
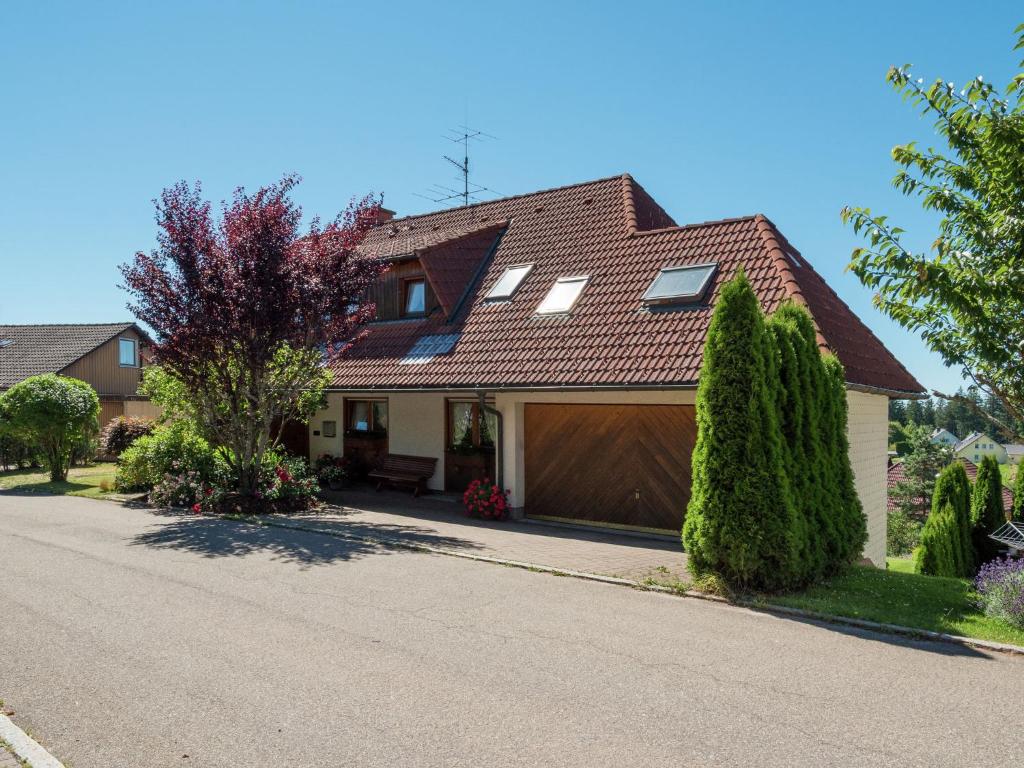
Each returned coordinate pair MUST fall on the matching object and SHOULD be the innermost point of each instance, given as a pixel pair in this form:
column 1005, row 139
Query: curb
column 25, row 747
column 752, row 605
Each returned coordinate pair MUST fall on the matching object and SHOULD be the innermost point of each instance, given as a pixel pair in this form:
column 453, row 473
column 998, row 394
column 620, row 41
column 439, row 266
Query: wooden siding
column 387, row 292
column 623, row 464
column 110, row 409
column 101, row 370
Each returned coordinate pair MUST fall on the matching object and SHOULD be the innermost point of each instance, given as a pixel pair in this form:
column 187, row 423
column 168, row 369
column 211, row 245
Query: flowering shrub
column 1000, row 586
column 292, row 484
column 485, row 499
column 332, row 469
column 171, row 449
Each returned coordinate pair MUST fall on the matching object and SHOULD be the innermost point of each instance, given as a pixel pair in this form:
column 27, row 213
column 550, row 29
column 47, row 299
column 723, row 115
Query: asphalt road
column 133, row 639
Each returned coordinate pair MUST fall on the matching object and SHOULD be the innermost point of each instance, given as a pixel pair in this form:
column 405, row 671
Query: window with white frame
column 563, row 295
column 509, row 282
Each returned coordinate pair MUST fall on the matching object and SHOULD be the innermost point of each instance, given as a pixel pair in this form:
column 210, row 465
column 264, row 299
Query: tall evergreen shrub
column 1018, row 493
column 949, row 539
column 740, row 521
column 987, row 512
column 850, row 524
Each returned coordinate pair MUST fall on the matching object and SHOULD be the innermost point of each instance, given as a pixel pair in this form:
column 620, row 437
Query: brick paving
column 439, row 522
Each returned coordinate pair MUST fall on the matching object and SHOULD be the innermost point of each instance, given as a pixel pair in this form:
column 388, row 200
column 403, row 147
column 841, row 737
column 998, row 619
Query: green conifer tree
column 987, row 512
column 740, row 521
column 953, row 489
column 936, row 554
column 1018, row 493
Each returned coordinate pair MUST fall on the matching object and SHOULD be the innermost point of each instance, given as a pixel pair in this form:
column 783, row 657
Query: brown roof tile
column 612, row 231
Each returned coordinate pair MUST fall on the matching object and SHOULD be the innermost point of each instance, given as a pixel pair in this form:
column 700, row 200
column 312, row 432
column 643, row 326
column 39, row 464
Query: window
column 563, row 295
column 415, row 297
column 427, row 348
column 467, row 431
column 126, row 353
column 508, row 282
column 367, row 417
column 330, row 429
column 680, row 285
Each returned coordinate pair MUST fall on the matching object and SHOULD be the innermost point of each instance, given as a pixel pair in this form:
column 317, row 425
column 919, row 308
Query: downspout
column 499, row 439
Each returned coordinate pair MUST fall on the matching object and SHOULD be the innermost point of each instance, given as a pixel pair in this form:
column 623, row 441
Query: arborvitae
column 1018, row 493
column 953, row 489
column 936, row 554
column 850, row 524
column 986, row 510
column 740, row 522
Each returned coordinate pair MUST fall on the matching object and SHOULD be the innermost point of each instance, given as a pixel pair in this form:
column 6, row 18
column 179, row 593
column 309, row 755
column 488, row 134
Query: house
column 107, row 356
column 977, row 445
column 896, row 475
column 1014, row 452
column 944, row 437
column 553, row 340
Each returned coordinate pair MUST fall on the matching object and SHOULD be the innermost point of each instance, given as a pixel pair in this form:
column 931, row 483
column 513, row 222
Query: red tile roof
column 614, row 232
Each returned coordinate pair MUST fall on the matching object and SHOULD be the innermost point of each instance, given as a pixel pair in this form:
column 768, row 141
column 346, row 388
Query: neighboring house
column 944, row 437
column 977, row 446
column 554, row 340
column 108, row 356
column 896, row 476
column 1014, row 452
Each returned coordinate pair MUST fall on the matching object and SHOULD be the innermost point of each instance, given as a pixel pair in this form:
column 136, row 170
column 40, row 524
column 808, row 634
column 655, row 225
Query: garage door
column 624, row 465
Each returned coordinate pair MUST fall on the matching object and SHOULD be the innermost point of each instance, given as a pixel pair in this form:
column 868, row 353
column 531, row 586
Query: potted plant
column 485, row 499
column 333, row 471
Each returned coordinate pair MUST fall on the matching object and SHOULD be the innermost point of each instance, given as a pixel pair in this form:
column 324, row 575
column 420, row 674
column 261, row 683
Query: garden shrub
column 57, row 414
column 953, row 487
column 903, row 533
column 485, row 499
column 173, row 449
column 1018, row 493
column 1000, row 586
column 987, row 513
column 940, row 539
column 17, row 452
column 851, row 526
column 741, row 521
column 122, row 431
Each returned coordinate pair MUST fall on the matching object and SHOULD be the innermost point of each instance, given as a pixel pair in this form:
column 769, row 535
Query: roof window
column 508, row 282
column 427, row 348
column 680, row 285
column 6, row 343
column 563, row 295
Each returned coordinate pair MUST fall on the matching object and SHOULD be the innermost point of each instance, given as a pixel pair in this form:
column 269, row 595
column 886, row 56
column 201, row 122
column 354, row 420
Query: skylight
column 427, row 348
column 563, row 295
column 680, row 285
column 5, row 343
column 509, row 282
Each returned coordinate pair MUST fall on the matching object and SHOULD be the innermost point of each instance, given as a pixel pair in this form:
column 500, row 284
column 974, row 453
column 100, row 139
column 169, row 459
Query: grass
column 90, row 482
column 899, row 596
column 1008, row 472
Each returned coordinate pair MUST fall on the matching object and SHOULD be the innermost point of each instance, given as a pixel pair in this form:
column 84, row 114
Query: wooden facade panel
column 388, row 293
column 110, row 409
column 616, row 464
column 101, row 369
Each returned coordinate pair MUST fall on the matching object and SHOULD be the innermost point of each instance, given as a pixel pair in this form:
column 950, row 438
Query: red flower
column 197, row 508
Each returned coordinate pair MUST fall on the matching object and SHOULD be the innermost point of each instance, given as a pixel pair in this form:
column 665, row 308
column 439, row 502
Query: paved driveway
column 133, row 639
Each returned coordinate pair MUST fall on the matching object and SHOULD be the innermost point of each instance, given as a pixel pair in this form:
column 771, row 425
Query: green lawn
column 82, row 481
column 1009, row 473
column 899, row 596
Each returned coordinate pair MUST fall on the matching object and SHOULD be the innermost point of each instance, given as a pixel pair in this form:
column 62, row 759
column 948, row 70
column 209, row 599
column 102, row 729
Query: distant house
column 944, row 437
column 1014, row 452
column 554, row 341
column 107, row 356
column 896, row 476
column 977, row 446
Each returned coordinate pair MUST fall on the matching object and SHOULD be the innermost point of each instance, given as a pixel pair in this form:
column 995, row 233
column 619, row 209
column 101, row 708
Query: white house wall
column 868, row 431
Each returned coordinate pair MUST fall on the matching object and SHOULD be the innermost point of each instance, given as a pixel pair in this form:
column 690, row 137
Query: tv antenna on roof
column 438, row 193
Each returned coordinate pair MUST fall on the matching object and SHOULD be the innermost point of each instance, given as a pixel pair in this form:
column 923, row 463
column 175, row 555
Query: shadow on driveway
column 216, row 537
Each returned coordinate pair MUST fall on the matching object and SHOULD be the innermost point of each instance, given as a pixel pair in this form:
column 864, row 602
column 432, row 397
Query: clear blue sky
column 718, row 109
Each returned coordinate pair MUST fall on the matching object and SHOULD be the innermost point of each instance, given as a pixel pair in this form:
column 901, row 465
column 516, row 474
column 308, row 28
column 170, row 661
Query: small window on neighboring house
column 415, row 297
column 126, row 353
column 330, row 429
column 680, row 285
column 563, row 295
column 367, row 417
column 508, row 282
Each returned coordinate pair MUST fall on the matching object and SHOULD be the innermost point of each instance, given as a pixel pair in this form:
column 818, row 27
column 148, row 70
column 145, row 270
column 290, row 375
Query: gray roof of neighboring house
column 968, row 440
column 1014, row 448
column 28, row 350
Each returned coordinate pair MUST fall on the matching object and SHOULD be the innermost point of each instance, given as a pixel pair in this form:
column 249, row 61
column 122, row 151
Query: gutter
column 499, row 439
column 523, row 388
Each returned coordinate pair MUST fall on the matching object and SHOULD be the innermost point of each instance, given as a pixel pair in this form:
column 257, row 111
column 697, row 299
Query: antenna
column 438, row 193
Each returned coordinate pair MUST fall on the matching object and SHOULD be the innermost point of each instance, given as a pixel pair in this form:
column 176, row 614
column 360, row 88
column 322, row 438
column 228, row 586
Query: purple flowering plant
column 1000, row 586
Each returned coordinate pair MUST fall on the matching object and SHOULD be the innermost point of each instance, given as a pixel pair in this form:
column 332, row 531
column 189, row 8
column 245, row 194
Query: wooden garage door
column 614, row 464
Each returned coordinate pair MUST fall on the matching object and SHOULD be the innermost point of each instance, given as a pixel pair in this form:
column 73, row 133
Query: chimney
column 384, row 214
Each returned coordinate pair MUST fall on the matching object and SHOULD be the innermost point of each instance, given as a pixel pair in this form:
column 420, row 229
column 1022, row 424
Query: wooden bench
column 404, row 470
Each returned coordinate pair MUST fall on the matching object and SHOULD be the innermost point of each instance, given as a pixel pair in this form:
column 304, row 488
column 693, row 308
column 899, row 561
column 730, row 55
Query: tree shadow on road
column 218, row 537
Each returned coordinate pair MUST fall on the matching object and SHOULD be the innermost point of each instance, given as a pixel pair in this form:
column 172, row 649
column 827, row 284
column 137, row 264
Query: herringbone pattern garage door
column 619, row 464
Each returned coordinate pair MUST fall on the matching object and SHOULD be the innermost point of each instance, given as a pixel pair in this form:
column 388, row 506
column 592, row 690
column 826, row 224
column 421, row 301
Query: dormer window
column 563, row 295
column 509, row 282
column 415, row 302
column 680, row 285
